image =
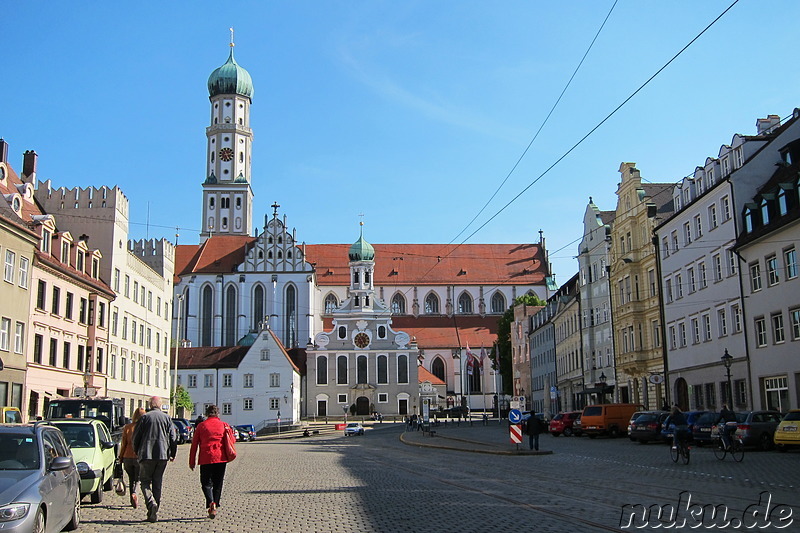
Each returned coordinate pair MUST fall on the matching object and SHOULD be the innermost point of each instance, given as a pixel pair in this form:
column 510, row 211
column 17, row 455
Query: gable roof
column 436, row 264
column 210, row 357
column 217, row 255
column 425, row 375
column 11, row 186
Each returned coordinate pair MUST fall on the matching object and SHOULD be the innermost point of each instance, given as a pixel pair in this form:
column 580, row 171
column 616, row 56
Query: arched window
column 341, row 370
column 383, row 370
column 230, row 317
column 322, row 370
column 185, row 312
column 290, row 333
column 207, row 316
column 361, row 369
column 474, row 380
column 498, row 303
column 465, row 304
column 398, row 304
column 437, row 368
column 402, row 369
column 432, row 304
column 258, row 306
column 331, row 303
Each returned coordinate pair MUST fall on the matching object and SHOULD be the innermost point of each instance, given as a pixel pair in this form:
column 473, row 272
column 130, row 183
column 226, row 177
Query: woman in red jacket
column 207, row 439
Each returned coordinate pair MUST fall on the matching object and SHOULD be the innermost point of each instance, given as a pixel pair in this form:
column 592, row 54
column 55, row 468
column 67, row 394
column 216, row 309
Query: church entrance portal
column 362, row 406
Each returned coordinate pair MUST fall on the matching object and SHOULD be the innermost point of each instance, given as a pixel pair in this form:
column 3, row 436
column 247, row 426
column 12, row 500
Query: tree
column 181, row 399
column 502, row 351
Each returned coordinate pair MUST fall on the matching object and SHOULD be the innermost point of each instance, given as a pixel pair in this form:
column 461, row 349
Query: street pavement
column 393, row 480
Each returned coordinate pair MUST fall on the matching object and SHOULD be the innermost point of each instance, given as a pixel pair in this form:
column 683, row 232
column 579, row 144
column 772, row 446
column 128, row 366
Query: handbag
column 229, row 444
column 118, row 469
column 119, row 487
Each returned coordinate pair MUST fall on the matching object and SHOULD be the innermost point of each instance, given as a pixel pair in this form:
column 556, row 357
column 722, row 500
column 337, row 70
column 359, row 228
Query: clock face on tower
column 361, row 340
column 226, row 154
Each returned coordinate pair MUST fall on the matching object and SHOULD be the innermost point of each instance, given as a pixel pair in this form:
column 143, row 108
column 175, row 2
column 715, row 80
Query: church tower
column 227, row 196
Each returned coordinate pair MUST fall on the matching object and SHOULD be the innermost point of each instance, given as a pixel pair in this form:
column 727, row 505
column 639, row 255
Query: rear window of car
column 708, row 418
column 559, row 416
column 791, row 417
column 593, row 411
column 645, row 418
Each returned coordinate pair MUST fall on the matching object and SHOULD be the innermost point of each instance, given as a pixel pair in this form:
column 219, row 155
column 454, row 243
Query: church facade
column 441, row 300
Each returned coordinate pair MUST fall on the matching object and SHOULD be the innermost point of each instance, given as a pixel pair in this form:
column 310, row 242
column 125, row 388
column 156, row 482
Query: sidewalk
column 493, row 438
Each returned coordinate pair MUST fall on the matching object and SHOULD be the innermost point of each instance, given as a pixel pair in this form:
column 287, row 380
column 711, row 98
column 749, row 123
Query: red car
column 562, row 423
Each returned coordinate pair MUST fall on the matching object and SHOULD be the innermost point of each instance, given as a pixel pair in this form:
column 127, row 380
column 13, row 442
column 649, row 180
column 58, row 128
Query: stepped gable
column 211, row 357
column 425, row 375
column 435, row 264
column 219, row 254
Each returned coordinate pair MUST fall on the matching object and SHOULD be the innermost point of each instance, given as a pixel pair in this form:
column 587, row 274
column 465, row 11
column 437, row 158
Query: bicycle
column 680, row 451
column 735, row 448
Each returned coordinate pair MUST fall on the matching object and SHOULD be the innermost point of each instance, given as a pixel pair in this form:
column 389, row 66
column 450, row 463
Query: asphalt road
column 329, row 483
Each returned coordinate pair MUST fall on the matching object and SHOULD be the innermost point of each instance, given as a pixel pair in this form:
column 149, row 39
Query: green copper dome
column 230, row 78
column 248, row 340
column 361, row 250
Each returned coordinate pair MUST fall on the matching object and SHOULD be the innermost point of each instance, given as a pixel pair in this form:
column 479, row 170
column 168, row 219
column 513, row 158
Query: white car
column 353, row 428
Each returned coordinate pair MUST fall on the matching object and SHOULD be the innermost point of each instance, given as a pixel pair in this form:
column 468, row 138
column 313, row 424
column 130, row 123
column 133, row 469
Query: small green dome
column 361, row 250
column 248, row 340
column 240, row 178
column 230, row 78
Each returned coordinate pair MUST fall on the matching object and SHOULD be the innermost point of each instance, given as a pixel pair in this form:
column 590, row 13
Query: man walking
column 155, row 442
column 534, row 428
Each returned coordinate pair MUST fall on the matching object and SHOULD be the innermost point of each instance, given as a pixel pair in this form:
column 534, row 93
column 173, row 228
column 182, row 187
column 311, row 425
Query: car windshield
column 352, row 425
column 77, row 435
column 18, row 452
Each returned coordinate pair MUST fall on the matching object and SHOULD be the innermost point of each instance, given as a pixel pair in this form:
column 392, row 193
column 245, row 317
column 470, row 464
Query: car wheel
column 568, row 432
column 76, row 514
column 766, row 442
column 781, row 448
column 555, row 433
column 643, row 441
column 38, row 522
column 613, row 433
column 97, row 495
column 592, row 436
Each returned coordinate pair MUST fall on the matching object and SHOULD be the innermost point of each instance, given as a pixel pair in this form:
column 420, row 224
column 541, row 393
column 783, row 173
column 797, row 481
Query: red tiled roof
column 10, row 187
column 218, row 254
column 445, row 332
column 435, row 264
column 425, row 375
column 69, row 270
column 211, row 357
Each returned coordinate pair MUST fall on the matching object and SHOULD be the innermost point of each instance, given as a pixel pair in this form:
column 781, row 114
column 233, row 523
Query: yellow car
column 787, row 434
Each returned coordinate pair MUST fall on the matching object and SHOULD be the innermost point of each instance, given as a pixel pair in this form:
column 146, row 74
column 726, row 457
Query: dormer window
column 95, row 268
column 46, row 237
column 783, row 206
column 79, row 264
column 764, row 212
column 748, row 220
column 65, row 252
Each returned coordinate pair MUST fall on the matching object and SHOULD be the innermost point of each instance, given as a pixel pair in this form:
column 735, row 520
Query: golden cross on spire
column 361, row 215
column 232, row 45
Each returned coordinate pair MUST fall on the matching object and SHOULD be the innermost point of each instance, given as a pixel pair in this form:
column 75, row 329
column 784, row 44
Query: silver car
column 39, row 483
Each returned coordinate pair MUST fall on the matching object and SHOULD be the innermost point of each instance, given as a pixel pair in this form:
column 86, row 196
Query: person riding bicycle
column 681, row 432
column 727, row 423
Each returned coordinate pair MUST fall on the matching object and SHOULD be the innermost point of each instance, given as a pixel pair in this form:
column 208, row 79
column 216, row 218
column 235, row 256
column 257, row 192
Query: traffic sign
column 515, row 416
column 515, row 432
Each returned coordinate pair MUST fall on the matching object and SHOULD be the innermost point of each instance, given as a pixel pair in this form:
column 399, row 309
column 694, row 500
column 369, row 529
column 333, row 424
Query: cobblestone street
column 376, row 483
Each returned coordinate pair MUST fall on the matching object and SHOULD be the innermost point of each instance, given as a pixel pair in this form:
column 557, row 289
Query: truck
column 110, row 411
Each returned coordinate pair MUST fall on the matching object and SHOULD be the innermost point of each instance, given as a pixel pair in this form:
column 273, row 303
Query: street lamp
column 602, row 387
column 727, row 360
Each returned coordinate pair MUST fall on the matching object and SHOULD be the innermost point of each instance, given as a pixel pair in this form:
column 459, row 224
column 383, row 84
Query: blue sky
column 411, row 113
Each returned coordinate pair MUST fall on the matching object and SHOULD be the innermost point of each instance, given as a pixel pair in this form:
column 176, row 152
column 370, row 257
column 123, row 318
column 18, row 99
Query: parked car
column 93, row 452
column 353, row 428
column 40, row 489
column 607, row 419
column 647, row 427
column 562, row 423
column 577, row 428
column 10, row 415
column 249, row 430
column 183, row 430
column 633, row 417
column 702, row 431
column 691, row 418
column 787, row 434
column 758, row 427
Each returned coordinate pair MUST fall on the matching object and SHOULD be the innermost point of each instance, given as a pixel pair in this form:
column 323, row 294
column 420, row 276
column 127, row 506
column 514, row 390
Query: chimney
column 29, row 161
column 765, row 125
column 3, row 151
